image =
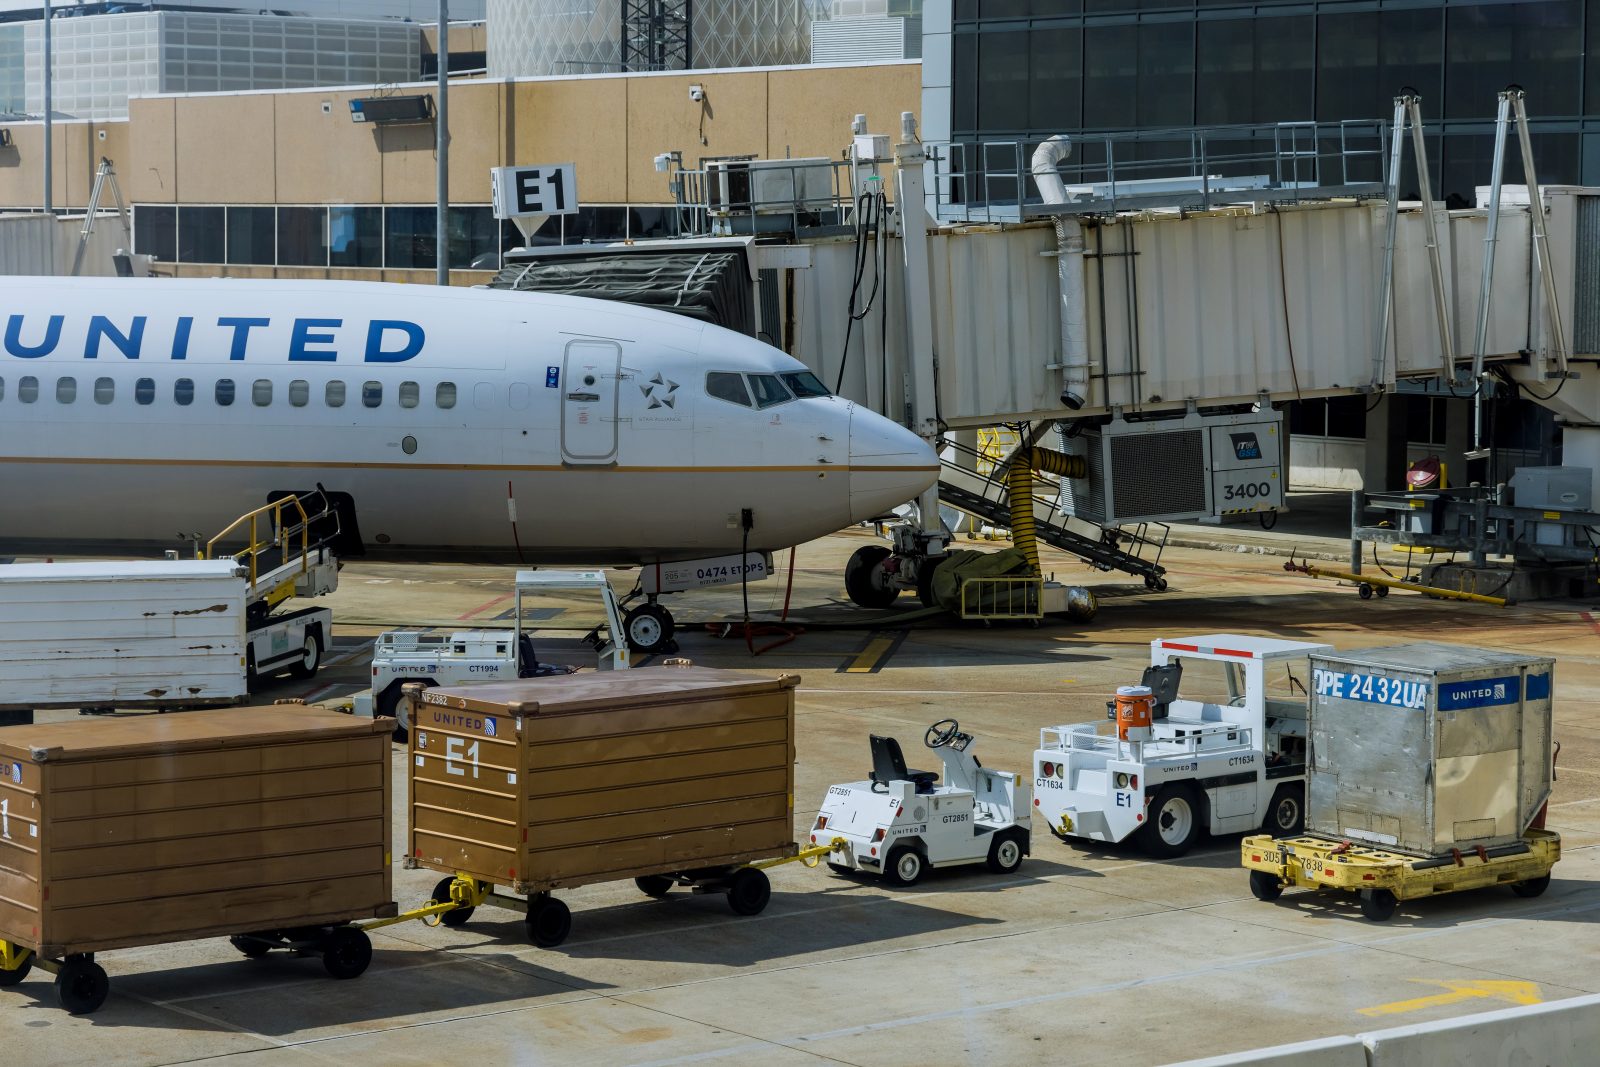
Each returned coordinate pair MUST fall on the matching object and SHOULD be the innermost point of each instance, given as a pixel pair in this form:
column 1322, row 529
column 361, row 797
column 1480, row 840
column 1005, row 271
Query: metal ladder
column 105, row 175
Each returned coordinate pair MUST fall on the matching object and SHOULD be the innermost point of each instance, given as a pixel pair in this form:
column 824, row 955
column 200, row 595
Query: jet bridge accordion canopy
column 711, row 285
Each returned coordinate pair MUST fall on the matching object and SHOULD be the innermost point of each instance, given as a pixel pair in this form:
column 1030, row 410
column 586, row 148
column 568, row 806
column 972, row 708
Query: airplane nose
column 889, row 465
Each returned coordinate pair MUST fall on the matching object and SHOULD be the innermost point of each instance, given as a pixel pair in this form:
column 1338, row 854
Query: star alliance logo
column 659, row 391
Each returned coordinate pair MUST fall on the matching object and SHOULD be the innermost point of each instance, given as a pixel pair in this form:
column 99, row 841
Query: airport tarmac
column 1086, row 955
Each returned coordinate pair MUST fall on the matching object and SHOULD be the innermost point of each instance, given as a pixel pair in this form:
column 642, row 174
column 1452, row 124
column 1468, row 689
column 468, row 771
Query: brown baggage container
column 667, row 775
column 271, row 823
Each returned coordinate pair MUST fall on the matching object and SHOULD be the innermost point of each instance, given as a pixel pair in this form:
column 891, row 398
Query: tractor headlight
column 1061, row 770
column 1122, row 780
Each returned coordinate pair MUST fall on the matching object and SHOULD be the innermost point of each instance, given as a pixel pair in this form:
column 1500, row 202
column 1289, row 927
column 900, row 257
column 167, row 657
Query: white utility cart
column 1225, row 752
column 900, row 822
column 461, row 657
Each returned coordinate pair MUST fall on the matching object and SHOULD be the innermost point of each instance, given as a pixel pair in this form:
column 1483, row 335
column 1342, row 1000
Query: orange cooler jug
column 1135, row 712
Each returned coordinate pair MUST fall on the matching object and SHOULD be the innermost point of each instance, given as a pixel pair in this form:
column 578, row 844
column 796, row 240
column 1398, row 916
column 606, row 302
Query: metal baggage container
column 1428, row 748
column 675, row 774
column 161, row 828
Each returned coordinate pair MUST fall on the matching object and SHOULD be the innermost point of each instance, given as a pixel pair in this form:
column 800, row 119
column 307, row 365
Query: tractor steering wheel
column 941, row 733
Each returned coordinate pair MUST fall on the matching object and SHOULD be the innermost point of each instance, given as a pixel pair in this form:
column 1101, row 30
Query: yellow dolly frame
column 1382, row 879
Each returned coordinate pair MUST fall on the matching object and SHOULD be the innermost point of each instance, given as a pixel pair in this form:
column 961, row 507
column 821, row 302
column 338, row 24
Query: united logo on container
column 489, row 727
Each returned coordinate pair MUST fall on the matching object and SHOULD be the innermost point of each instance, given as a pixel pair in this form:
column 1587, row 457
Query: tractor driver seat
column 889, row 765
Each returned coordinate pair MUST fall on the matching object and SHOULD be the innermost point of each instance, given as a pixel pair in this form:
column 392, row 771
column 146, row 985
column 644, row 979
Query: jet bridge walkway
column 1130, row 550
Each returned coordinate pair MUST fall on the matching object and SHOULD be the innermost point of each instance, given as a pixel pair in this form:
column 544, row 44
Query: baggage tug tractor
column 900, row 821
column 1213, row 750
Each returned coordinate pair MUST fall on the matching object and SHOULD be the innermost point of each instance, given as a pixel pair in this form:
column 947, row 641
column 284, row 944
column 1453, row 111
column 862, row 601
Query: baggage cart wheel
column 1364, row 591
column 251, row 946
column 654, row 885
column 904, row 866
column 1005, row 852
column 1286, row 815
column 1378, row 904
column 1382, row 591
column 10, row 978
column 346, row 951
column 1264, row 886
column 748, row 891
column 1531, row 887
column 549, row 920
column 1173, row 824
column 441, row 895
column 81, row 985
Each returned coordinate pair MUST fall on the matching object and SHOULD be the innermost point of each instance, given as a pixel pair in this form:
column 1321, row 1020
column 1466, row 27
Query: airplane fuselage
column 136, row 411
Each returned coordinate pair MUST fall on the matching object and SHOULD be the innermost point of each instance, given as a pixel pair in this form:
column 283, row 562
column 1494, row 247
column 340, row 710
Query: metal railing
column 1084, row 737
column 290, row 541
column 1001, row 597
column 716, row 199
column 1200, row 167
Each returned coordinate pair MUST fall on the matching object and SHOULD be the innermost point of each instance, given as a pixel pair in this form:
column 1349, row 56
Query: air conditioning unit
column 1178, row 469
column 769, row 186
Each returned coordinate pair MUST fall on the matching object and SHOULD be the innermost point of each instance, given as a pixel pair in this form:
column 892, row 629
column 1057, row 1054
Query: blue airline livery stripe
column 1538, row 686
column 310, row 340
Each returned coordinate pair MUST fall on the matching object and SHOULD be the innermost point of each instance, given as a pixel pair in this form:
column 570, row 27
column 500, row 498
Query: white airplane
column 456, row 421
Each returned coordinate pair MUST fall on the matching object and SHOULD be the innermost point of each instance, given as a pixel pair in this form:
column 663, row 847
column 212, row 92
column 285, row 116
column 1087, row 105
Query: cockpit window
column 726, row 386
column 769, row 390
column 803, row 384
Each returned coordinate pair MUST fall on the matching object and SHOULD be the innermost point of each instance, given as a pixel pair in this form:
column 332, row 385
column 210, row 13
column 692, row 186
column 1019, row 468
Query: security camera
column 697, row 93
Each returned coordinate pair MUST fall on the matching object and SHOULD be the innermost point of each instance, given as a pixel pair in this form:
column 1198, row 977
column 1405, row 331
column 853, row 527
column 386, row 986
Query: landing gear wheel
column 1382, row 591
column 1264, row 886
column 1378, row 904
column 549, row 920
column 925, row 581
column 865, row 580
column 250, row 947
column 441, row 895
column 81, row 985
column 749, row 891
column 1156, row 584
column 904, row 866
column 346, row 952
column 648, row 628
column 1364, row 591
column 1532, row 887
column 310, row 657
column 1286, row 815
column 654, row 885
column 10, row 978
column 1005, row 853
column 1173, row 822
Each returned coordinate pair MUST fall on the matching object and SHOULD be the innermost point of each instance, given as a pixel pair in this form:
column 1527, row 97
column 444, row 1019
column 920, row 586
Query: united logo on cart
column 489, row 727
column 16, row 773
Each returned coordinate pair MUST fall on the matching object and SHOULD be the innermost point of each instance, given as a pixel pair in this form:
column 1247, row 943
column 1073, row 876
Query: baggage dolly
column 1382, row 879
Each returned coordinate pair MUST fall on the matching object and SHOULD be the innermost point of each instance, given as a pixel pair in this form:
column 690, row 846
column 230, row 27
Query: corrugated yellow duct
column 1019, row 492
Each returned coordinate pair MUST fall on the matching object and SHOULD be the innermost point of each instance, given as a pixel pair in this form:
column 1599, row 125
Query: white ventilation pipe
column 1069, row 269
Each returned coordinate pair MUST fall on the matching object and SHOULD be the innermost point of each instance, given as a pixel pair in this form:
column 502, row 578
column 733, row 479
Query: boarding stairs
column 1132, row 550
column 287, row 552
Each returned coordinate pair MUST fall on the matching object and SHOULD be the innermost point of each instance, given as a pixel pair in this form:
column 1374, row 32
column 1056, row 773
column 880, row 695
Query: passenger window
column 27, row 389
column 445, row 395
column 768, row 390
column 105, row 390
column 333, row 395
column 299, row 393
column 261, row 392
column 729, row 387
column 224, row 392
column 410, row 394
column 371, row 394
column 144, row 391
column 183, row 392
column 66, row 390
column 803, row 384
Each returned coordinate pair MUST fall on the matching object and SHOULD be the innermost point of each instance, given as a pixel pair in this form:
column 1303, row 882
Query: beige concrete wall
column 77, row 149
column 320, row 156
column 584, row 122
column 225, row 149
column 407, row 152
column 152, row 151
column 731, row 120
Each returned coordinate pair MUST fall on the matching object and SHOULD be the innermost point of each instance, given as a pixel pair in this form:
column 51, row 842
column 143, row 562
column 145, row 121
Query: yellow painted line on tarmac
column 1496, row 989
column 877, row 652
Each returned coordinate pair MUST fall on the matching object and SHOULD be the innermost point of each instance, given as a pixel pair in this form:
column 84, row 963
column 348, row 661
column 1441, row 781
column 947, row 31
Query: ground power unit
column 1177, row 470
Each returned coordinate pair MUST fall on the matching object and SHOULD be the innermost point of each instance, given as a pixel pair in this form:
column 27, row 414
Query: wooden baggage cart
column 670, row 776
column 269, row 825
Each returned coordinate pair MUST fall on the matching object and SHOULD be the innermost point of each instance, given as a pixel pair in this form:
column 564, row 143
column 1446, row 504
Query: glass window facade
column 1026, row 69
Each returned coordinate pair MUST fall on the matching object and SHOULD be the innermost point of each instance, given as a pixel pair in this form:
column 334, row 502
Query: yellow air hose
column 1019, row 492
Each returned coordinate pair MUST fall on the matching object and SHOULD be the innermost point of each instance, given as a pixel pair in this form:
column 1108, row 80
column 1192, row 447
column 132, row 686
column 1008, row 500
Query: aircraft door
column 589, row 402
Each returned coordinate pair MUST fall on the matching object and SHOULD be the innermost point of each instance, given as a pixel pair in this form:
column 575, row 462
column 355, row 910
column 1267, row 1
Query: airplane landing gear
column 875, row 574
column 648, row 628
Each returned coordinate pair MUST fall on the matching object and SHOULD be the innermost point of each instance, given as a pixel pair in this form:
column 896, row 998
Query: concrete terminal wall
column 1561, row 1032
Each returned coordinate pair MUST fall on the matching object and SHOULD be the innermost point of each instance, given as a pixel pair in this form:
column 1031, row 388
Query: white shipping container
column 161, row 634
